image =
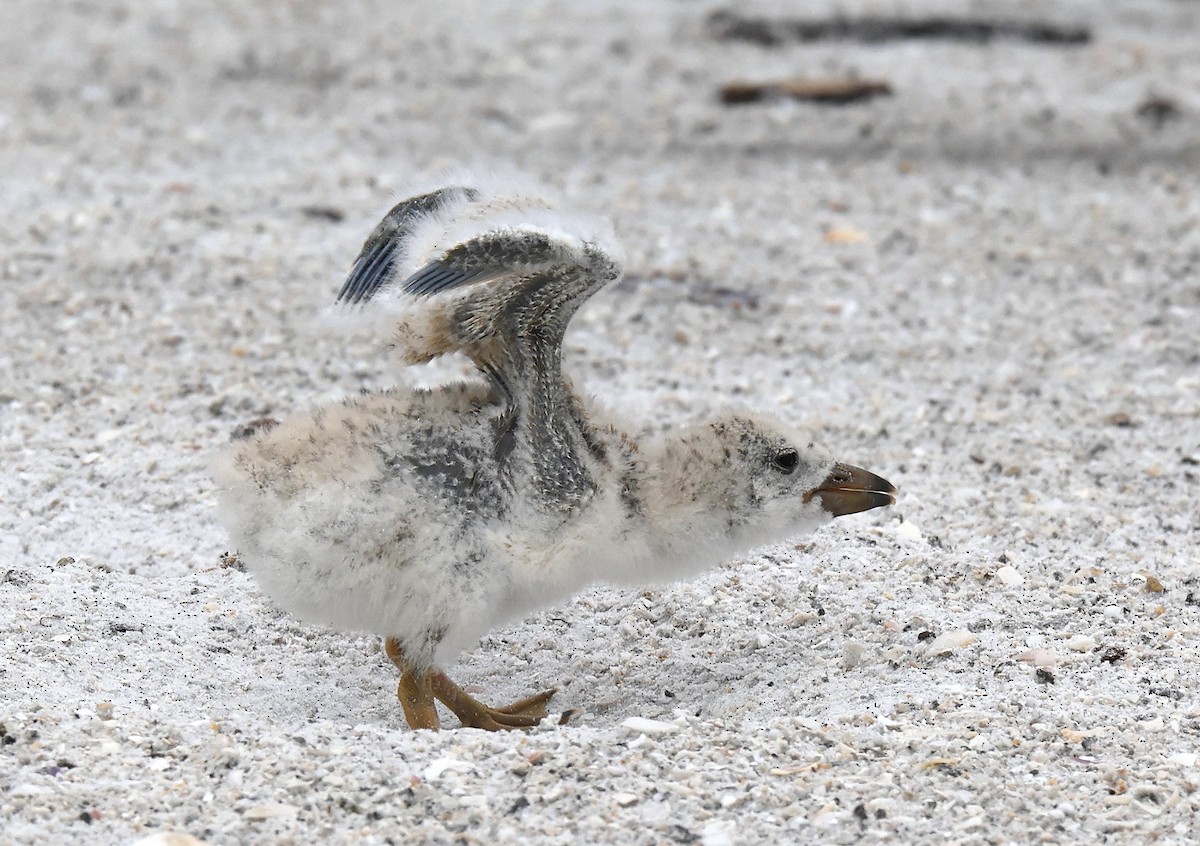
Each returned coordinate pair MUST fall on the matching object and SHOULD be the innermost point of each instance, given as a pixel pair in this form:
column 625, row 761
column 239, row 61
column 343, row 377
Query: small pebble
column 717, row 833
column 1039, row 657
column 1010, row 576
column 269, row 811
column 169, row 838
column 852, row 654
column 437, row 768
column 649, row 727
column 908, row 532
column 980, row 743
column 1081, row 643
column 949, row 641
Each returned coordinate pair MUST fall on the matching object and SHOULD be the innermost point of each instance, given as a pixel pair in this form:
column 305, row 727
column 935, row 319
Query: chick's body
column 388, row 513
column 430, row 515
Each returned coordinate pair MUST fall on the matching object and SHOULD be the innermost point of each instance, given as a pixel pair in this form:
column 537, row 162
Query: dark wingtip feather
column 350, row 286
column 370, row 273
column 436, row 277
column 375, row 266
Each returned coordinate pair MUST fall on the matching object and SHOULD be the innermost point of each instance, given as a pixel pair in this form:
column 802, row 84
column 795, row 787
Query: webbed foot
column 420, row 690
column 524, row 713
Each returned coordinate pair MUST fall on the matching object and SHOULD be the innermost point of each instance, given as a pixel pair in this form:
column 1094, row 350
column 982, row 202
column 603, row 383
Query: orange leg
column 419, row 689
column 415, row 691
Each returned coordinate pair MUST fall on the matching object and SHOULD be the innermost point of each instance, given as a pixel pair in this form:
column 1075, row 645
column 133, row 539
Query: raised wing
column 376, row 261
column 494, row 276
column 497, row 277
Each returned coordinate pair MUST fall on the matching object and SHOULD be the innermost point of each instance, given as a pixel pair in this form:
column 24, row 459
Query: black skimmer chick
column 429, row 516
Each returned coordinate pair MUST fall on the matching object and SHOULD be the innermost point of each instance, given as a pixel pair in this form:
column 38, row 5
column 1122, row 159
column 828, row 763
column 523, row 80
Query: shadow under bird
column 429, row 516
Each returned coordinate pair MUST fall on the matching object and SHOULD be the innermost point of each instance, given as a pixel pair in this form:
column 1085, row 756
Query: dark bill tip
column 849, row 490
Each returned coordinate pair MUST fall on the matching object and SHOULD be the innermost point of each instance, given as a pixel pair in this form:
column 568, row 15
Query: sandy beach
column 984, row 285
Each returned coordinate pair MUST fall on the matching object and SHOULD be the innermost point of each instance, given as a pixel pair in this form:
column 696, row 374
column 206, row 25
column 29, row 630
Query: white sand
column 985, row 288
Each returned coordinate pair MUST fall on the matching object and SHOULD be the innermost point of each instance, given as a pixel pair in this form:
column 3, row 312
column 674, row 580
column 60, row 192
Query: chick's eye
column 786, row 460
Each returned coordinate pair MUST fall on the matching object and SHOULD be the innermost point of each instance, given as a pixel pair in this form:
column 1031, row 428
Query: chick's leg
column 415, row 691
column 526, row 713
